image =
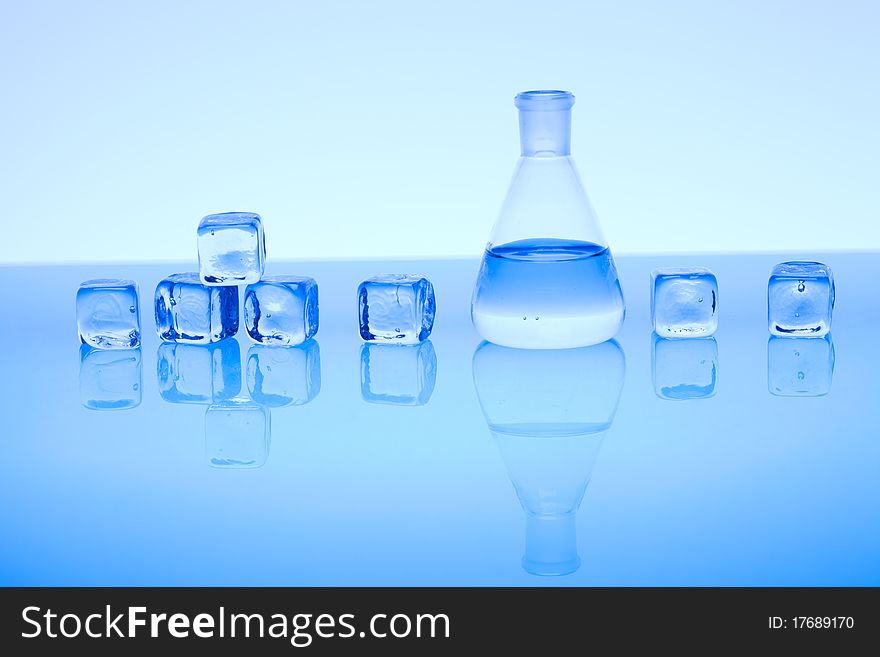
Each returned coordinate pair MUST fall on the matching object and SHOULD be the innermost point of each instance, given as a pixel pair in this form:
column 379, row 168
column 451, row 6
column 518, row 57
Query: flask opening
column 545, row 122
column 544, row 99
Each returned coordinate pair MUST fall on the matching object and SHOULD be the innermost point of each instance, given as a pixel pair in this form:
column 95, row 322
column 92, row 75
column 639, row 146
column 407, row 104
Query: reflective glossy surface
column 738, row 460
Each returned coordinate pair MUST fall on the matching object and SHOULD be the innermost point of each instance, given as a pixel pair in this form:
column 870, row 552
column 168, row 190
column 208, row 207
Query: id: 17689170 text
column 811, row 623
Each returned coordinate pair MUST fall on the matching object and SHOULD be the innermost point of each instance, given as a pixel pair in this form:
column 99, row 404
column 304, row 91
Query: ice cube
column 800, row 367
column 284, row 376
column 107, row 314
column 198, row 374
column 232, row 248
column 800, row 299
column 281, row 310
column 684, row 302
column 189, row 312
column 110, row 380
column 684, row 369
column 237, row 434
column 396, row 308
column 399, row 375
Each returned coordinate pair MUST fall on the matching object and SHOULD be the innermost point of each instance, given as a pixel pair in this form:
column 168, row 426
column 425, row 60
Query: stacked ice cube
column 196, row 313
column 203, row 308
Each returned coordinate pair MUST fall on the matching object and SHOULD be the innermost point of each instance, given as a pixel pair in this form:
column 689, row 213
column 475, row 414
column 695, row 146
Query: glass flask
column 548, row 411
column 547, row 280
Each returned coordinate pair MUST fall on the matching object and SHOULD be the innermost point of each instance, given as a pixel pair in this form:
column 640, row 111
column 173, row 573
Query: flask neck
column 551, row 545
column 545, row 123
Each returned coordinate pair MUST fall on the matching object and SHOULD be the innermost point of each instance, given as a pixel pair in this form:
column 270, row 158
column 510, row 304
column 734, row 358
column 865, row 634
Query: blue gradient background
column 383, row 135
column 388, row 128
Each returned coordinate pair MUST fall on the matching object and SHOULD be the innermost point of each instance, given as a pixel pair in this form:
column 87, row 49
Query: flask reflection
column 548, row 411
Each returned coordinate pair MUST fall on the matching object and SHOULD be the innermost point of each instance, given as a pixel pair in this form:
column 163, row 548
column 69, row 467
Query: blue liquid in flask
column 547, row 280
column 547, row 294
